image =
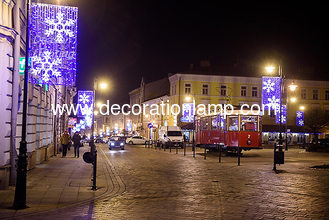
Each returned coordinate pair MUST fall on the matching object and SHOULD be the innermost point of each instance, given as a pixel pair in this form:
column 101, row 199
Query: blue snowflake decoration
column 188, row 109
column 271, row 92
column 283, row 115
column 300, row 118
column 129, row 126
column 53, row 42
column 86, row 105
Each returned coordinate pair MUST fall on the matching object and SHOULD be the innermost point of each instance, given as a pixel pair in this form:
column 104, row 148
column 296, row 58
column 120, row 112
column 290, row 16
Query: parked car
column 99, row 140
column 137, row 140
column 116, row 141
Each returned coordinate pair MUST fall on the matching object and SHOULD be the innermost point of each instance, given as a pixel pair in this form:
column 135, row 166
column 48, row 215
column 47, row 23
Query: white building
column 40, row 119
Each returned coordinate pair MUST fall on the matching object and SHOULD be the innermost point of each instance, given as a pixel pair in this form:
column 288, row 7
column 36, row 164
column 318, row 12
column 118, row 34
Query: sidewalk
column 58, row 182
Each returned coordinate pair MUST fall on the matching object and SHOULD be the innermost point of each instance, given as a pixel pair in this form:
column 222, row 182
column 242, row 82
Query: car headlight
column 121, row 144
column 112, row 144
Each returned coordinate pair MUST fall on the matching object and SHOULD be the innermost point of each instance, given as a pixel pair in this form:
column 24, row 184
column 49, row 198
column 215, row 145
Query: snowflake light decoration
column 86, row 103
column 268, row 86
column 45, row 66
column 53, row 34
column 283, row 114
column 300, row 118
column 84, row 98
column 59, row 28
column 271, row 93
column 187, row 112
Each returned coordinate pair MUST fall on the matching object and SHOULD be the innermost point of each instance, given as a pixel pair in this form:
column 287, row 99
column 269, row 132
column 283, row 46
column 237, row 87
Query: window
column 326, row 95
column 243, row 90
column 233, row 123
column 303, row 94
column 315, row 94
column 188, row 88
column 205, row 89
column 173, row 89
column 249, row 123
column 223, row 90
column 254, row 92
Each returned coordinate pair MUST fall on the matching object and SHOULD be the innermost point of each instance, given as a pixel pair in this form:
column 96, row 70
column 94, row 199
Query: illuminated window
column 315, row 94
column 243, row 90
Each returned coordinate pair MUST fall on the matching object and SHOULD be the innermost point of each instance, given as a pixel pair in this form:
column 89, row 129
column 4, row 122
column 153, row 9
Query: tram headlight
column 249, row 142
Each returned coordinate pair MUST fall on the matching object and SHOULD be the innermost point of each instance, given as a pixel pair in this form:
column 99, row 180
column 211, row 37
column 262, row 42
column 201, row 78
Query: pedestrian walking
column 65, row 139
column 76, row 142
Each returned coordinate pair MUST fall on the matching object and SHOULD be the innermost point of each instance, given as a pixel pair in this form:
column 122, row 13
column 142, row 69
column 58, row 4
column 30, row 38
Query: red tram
column 229, row 131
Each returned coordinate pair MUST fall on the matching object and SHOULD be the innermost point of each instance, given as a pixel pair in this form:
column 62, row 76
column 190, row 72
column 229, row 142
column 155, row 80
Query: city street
column 149, row 183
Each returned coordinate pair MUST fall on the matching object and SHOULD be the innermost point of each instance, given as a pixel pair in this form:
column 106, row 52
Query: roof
column 276, row 128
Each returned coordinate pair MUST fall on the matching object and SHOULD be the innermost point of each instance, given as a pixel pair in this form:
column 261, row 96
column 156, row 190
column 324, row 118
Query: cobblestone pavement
column 157, row 184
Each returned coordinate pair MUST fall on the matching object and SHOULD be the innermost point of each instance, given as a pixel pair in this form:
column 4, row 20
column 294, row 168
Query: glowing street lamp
column 269, row 69
column 292, row 86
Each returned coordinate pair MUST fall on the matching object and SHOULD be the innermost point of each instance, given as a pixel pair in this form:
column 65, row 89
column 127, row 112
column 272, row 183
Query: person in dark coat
column 76, row 142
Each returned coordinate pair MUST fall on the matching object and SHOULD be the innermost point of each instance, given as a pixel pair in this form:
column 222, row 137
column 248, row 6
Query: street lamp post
column 20, row 190
column 92, row 141
column 292, row 87
column 270, row 70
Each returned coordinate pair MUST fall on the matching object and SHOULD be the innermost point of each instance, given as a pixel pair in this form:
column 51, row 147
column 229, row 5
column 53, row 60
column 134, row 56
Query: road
column 156, row 184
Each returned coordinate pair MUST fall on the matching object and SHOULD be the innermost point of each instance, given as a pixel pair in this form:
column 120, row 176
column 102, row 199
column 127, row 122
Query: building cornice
column 8, row 33
column 214, row 78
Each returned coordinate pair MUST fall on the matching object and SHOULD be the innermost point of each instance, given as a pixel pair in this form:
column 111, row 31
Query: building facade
column 208, row 85
column 43, row 126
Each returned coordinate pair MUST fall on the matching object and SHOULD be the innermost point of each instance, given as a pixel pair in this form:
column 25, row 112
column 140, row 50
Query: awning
column 188, row 126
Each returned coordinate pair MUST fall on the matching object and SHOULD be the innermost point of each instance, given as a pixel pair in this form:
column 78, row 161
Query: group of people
column 66, row 142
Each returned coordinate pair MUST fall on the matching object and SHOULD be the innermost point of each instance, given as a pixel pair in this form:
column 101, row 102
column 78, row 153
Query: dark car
column 99, row 140
column 116, row 141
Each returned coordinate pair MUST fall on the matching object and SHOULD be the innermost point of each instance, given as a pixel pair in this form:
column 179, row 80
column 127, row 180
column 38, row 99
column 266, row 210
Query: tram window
column 233, row 123
column 248, row 123
column 214, row 123
column 223, row 123
column 204, row 124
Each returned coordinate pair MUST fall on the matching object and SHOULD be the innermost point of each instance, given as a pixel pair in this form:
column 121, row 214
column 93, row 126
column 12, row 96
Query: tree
column 317, row 121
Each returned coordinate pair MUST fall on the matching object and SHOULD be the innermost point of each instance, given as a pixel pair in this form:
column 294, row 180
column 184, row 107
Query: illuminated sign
column 53, row 34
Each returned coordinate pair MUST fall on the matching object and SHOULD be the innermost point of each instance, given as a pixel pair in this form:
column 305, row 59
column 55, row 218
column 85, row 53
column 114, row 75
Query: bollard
column 205, row 152
column 176, row 148
column 184, row 149
column 274, row 167
column 219, row 153
column 170, row 146
column 238, row 156
column 193, row 146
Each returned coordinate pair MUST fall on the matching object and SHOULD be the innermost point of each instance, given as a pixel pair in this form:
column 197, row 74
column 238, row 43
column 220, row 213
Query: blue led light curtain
column 271, row 92
column 53, row 44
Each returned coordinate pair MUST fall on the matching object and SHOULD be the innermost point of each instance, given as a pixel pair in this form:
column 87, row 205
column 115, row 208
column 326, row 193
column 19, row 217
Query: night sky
column 123, row 41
